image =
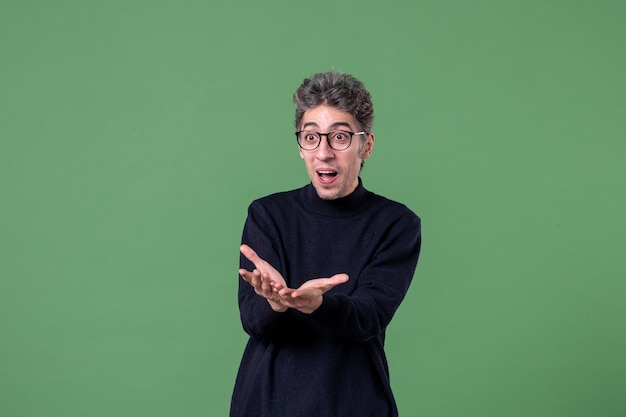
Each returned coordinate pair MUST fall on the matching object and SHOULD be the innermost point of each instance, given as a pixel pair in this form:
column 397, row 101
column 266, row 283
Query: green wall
column 133, row 135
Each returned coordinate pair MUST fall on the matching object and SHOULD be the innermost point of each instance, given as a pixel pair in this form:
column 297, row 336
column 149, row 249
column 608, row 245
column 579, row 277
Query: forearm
column 354, row 318
column 260, row 321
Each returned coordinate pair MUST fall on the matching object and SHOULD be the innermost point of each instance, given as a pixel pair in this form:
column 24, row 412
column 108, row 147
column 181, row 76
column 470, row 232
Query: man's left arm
column 380, row 289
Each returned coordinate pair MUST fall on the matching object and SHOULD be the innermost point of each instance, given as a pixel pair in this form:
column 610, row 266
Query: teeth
column 325, row 172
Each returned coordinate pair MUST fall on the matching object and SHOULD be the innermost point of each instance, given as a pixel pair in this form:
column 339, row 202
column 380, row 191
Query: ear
column 368, row 146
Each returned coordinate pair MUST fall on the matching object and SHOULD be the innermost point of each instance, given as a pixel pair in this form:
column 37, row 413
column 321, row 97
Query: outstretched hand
column 262, row 278
column 309, row 296
column 270, row 284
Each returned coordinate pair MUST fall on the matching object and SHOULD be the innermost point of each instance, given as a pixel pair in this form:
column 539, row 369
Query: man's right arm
column 262, row 317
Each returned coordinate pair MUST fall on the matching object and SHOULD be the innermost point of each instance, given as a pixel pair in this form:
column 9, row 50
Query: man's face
column 334, row 174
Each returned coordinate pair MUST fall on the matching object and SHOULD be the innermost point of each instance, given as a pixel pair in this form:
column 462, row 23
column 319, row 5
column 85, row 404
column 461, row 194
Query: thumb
column 333, row 281
column 249, row 253
column 339, row 279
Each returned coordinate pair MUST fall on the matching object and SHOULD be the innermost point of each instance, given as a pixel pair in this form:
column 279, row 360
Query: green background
column 133, row 135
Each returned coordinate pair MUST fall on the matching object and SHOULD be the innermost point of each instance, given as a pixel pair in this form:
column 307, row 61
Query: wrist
column 310, row 309
column 277, row 307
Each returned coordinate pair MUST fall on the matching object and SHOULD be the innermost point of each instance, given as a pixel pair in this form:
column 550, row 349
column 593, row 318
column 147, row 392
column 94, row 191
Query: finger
column 266, row 287
column 328, row 283
column 339, row 279
column 286, row 292
column 267, row 280
column 249, row 253
column 245, row 274
column 271, row 281
column 308, row 292
column 320, row 285
column 253, row 278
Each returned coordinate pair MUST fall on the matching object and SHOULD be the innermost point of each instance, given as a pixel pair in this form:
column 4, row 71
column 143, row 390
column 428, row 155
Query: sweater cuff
column 327, row 311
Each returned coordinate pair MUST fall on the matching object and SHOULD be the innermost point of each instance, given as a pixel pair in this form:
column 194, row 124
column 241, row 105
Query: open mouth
column 326, row 175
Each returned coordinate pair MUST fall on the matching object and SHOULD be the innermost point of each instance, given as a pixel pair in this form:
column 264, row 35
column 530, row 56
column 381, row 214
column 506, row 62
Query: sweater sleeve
column 381, row 287
column 258, row 319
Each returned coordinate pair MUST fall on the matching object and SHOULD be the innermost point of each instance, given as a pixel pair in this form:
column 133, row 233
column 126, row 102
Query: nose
column 324, row 151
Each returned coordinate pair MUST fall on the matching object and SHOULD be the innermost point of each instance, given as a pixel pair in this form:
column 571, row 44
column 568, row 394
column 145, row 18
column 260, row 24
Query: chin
column 328, row 194
column 328, row 197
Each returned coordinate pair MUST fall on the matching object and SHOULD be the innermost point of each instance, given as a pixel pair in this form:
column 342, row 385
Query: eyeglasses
column 337, row 139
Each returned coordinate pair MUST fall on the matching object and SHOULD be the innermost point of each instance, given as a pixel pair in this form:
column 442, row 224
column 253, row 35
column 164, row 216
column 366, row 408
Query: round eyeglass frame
column 351, row 134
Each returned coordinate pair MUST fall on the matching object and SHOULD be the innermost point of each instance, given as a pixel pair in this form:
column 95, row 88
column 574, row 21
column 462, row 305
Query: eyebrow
column 333, row 126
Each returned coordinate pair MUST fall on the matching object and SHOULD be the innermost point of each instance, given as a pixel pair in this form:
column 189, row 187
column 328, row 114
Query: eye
column 340, row 136
column 309, row 136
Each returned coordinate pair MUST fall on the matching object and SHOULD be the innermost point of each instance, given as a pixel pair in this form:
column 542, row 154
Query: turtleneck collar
column 349, row 205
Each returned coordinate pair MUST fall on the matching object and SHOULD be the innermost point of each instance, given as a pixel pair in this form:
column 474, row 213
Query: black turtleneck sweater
column 331, row 362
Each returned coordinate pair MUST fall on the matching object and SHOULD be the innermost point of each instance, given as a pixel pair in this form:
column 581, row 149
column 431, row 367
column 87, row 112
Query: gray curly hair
column 339, row 90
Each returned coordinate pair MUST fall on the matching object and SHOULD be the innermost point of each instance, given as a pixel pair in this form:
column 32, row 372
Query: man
column 324, row 269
